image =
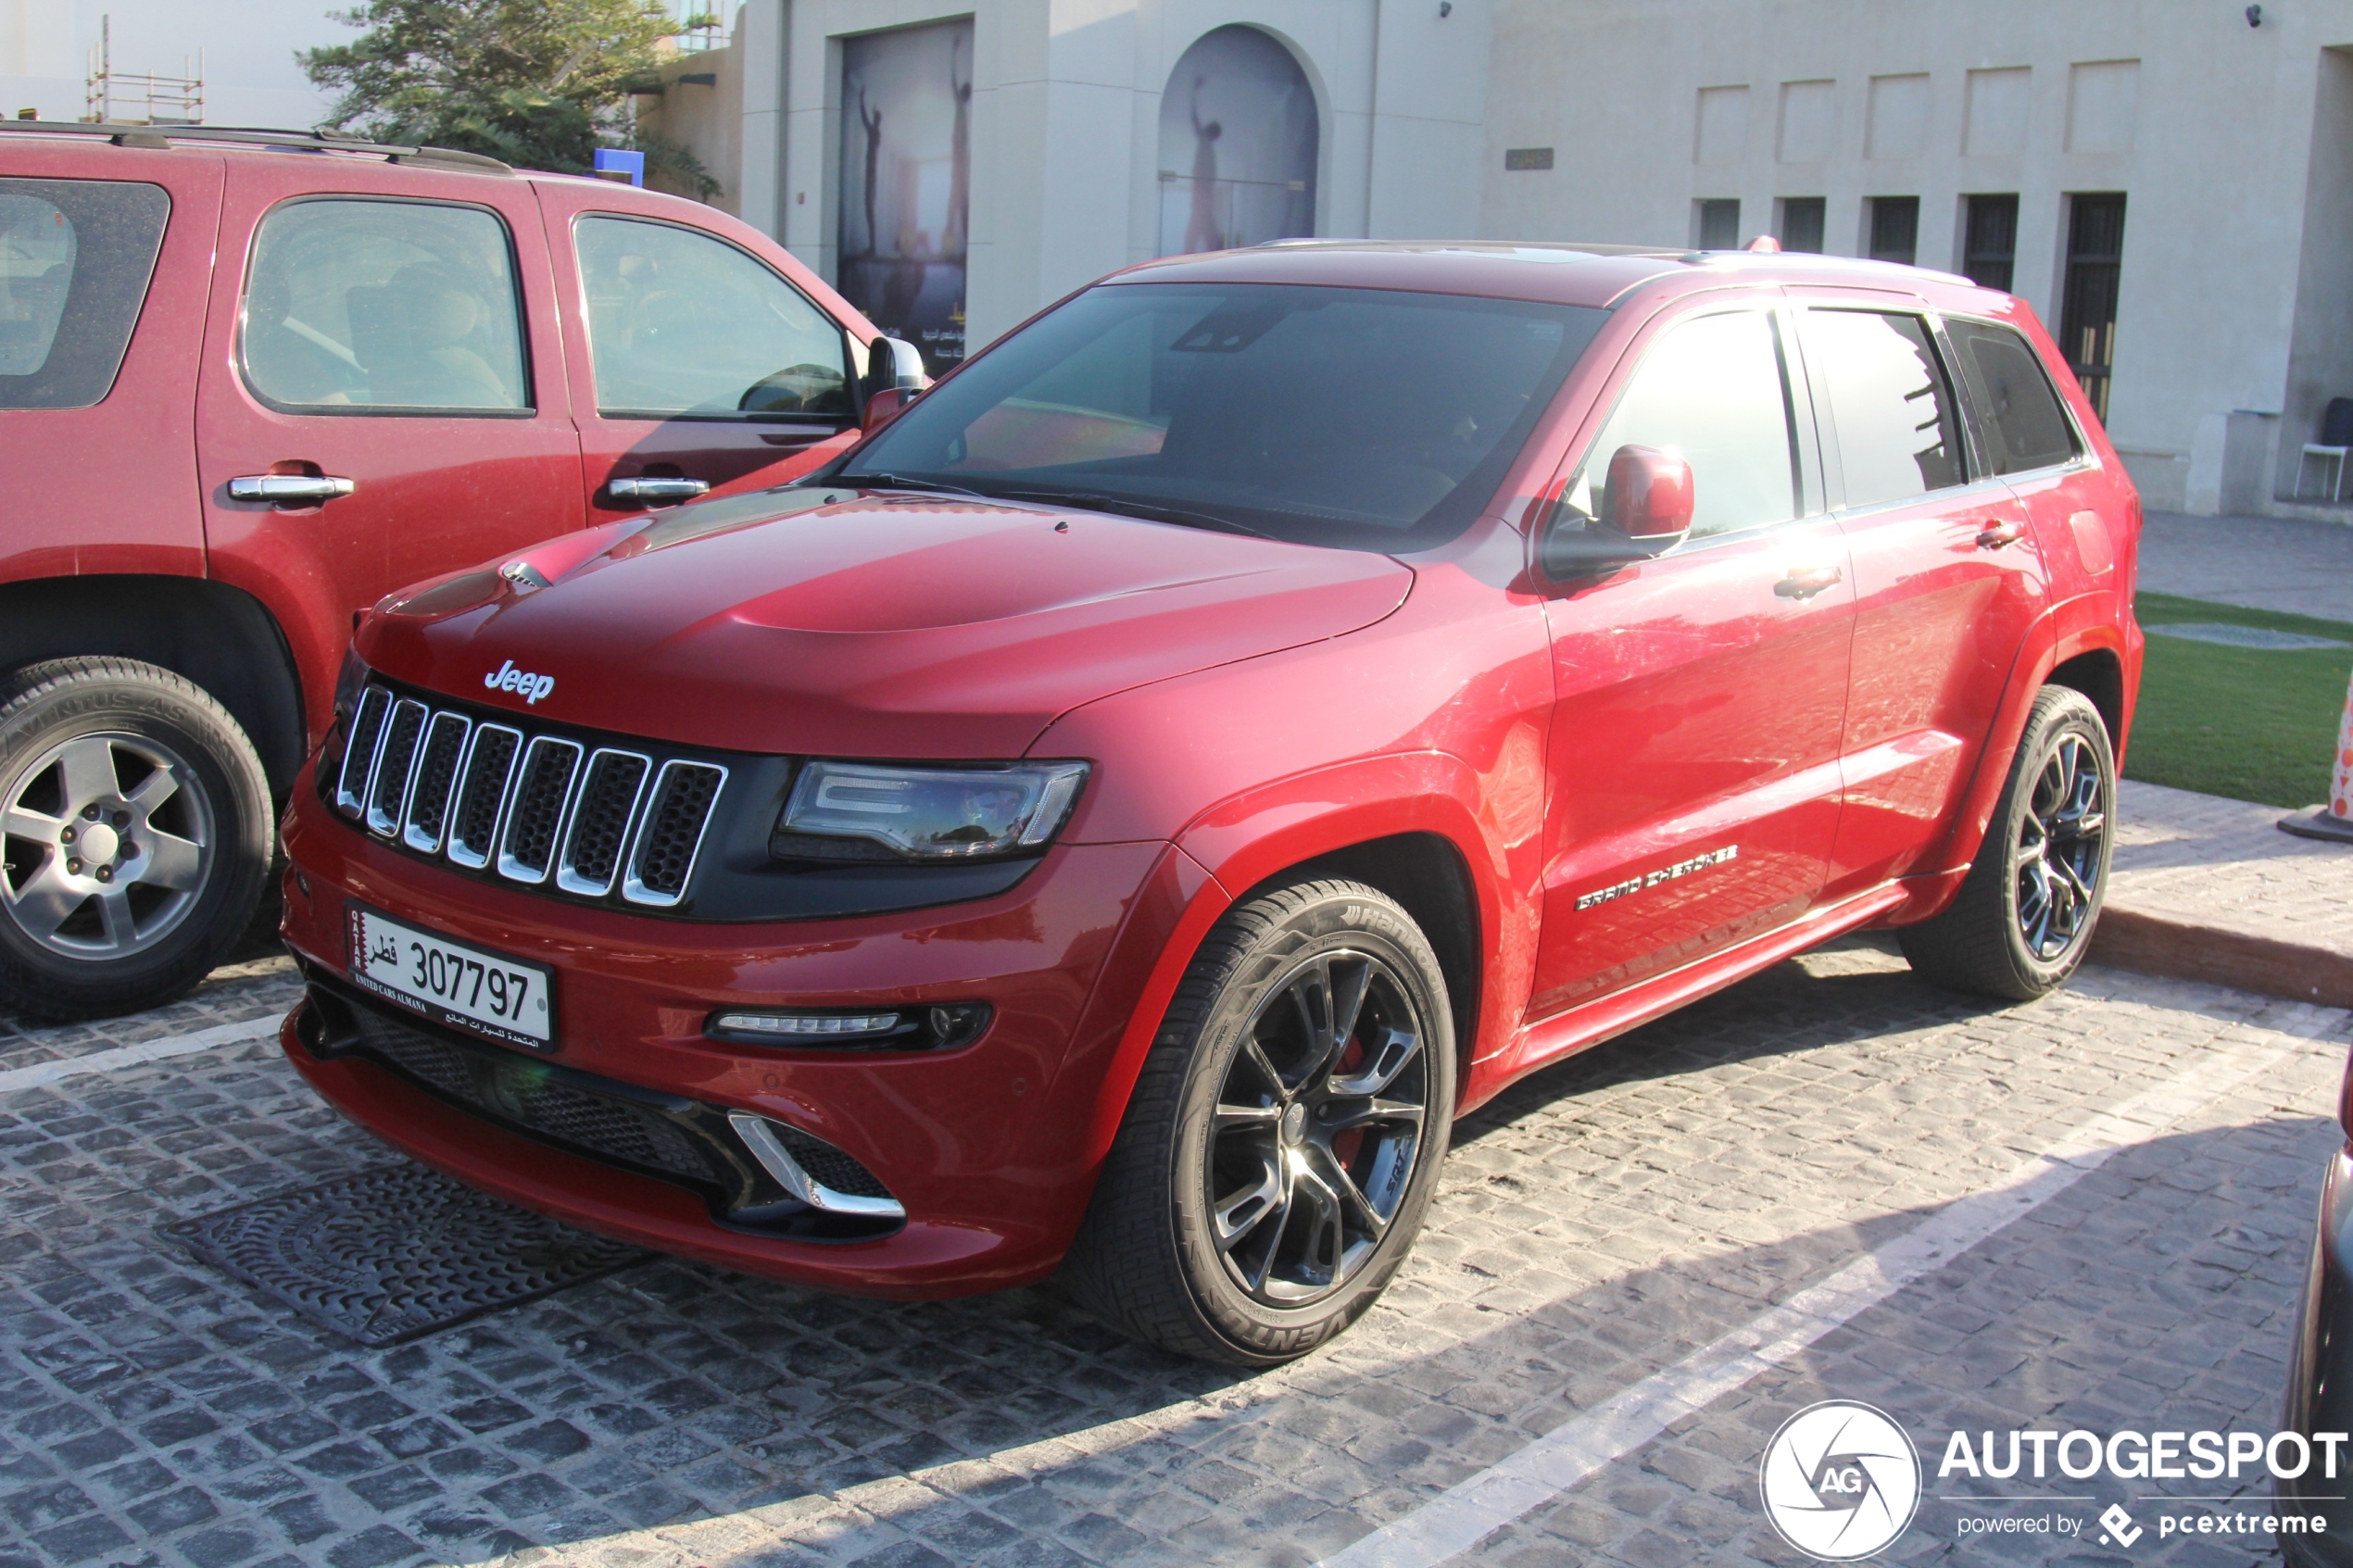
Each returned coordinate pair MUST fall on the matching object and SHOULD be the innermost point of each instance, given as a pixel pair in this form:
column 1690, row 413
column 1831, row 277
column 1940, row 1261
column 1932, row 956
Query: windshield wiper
column 902, row 481
column 1095, row 501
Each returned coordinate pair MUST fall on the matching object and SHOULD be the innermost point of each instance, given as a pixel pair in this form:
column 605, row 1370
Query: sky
column 248, row 48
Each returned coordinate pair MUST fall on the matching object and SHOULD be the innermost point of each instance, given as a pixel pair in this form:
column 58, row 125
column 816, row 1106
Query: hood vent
column 487, row 796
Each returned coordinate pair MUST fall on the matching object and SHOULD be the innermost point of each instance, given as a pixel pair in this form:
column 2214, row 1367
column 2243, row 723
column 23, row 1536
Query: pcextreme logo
column 1840, row 1480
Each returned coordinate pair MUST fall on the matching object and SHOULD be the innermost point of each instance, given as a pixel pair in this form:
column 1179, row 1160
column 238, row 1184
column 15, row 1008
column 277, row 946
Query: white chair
column 2336, row 441
column 2334, row 455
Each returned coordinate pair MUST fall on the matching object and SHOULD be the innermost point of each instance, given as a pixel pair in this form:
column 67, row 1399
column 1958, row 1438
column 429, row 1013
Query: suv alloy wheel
column 135, row 833
column 1285, row 1134
column 2023, row 918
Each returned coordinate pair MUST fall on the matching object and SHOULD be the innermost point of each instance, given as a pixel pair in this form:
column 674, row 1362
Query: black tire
column 2017, row 929
column 182, row 815
column 1147, row 1259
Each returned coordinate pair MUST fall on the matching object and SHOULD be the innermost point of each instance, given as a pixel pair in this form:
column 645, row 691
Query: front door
column 706, row 369
column 1947, row 585
column 1699, row 696
column 386, row 363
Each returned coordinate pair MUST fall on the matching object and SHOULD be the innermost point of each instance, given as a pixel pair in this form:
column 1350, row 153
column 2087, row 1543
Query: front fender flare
column 1244, row 841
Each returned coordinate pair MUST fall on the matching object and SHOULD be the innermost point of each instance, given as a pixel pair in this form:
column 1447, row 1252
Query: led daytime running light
column 807, row 1024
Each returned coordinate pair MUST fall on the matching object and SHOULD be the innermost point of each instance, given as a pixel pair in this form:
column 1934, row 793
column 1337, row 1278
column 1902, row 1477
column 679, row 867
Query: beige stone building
column 2170, row 183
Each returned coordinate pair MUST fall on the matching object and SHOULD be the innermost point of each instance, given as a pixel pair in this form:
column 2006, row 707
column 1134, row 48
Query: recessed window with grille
column 1895, row 229
column 2087, row 311
column 1802, row 222
column 1989, row 241
column 1719, row 223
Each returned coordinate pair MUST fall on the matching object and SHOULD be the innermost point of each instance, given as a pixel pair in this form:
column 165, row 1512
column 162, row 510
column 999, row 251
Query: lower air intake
column 670, row 1137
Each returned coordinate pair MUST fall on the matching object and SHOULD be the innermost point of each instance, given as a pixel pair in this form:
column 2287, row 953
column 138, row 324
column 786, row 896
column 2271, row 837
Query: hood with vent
column 862, row 625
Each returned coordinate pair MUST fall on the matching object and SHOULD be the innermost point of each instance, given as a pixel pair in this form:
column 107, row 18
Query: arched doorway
column 1237, row 145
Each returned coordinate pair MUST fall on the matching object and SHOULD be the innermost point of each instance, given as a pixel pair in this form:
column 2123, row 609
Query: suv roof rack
column 308, row 141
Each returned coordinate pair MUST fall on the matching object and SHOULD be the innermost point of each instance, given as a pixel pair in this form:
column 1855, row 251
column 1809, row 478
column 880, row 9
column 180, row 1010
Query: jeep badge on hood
column 530, row 688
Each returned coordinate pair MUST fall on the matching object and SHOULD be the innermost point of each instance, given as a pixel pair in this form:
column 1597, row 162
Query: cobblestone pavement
column 1598, row 1224
column 2222, row 864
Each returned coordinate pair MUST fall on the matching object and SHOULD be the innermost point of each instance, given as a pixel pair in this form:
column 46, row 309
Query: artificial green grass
column 2250, row 723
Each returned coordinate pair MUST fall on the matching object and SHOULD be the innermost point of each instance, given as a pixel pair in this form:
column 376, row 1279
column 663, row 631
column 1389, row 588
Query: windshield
column 1367, row 418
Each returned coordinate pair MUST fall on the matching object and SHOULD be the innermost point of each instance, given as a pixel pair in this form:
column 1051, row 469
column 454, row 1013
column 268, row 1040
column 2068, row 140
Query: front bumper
column 2320, row 1378
column 986, row 1147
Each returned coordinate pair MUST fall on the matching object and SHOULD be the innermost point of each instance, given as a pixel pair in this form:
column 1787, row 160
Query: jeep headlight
column 864, row 811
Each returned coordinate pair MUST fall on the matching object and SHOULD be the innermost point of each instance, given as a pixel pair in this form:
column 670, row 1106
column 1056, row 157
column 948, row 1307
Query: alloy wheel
column 2062, row 843
column 1317, row 1127
column 105, row 842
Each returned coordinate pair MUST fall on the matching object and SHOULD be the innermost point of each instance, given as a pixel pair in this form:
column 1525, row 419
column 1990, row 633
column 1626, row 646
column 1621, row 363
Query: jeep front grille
column 486, row 796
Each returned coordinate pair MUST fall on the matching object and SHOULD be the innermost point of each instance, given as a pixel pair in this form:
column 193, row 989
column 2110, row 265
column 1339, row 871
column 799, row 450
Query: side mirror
column 1650, row 496
column 1646, row 509
column 895, row 377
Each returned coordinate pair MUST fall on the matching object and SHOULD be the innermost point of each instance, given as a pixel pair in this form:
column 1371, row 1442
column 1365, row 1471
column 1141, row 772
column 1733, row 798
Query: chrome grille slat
column 604, row 813
column 536, row 803
column 360, row 751
column 484, row 775
column 661, row 861
column 534, row 810
column 432, row 784
column 395, row 759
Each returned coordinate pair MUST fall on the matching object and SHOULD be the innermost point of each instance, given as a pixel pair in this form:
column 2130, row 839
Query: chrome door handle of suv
column 2000, row 533
column 657, row 488
column 289, row 489
column 1804, row 581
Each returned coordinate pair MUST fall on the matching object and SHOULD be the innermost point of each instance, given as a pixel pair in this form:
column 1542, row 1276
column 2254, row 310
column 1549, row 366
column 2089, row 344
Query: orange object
column 2341, row 779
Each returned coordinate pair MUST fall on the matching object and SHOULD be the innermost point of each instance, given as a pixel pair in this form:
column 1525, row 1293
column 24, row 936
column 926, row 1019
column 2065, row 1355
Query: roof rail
column 316, row 140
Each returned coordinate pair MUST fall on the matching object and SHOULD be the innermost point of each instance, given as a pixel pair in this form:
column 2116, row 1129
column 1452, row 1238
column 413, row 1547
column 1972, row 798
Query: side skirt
column 1581, row 1028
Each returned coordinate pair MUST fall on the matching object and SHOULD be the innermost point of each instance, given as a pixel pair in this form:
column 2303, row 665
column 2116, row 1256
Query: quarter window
column 2020, row 422
column 75, row 258
column 1715, row 391
column 357, row 306
column 1897, row 436
column 682, row 323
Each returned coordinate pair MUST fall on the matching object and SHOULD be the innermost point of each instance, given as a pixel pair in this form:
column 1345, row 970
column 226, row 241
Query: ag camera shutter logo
column 1840, row 1480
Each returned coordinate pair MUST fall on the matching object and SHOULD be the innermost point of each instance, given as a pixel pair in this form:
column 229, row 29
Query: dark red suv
column 1118, row 815
column 249, row 382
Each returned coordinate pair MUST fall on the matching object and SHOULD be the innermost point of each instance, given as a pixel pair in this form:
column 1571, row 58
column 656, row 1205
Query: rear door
column 376, row 325
column 106, row 255
column 1699, row 696
column 706, row 357
column 2025, row 437
column 1948, row 580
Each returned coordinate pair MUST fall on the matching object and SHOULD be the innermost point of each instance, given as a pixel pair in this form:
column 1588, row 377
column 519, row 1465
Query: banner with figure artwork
column 1237, row 145
column 906, row 182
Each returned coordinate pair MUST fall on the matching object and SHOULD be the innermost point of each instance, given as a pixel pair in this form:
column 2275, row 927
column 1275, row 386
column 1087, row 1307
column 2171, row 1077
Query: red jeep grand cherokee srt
column 1123, row 811
column 249, row 382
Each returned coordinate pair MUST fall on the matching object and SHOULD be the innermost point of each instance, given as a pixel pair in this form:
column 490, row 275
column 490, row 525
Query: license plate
column 488, row 993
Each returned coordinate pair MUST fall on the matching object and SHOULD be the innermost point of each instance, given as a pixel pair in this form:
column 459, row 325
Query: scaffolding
column 126, row 97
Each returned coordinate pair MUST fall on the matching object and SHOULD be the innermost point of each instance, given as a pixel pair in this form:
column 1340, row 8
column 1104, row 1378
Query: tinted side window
column 2019, row 414
column 1896, row 432
column 1715, row 391
column 357, row 306
column 75, row 258
column 682, row 323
